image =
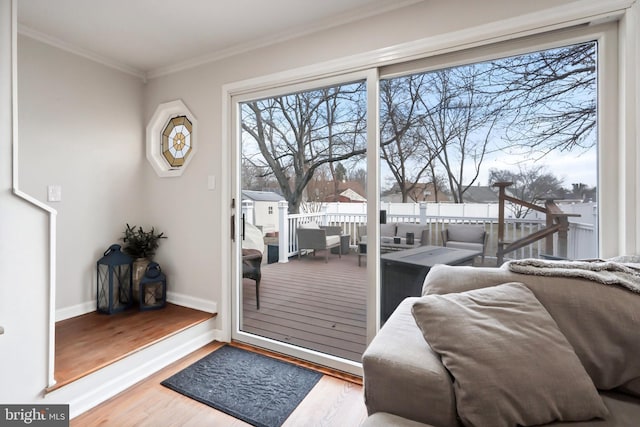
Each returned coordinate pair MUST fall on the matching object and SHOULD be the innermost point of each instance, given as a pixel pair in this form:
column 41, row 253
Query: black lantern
column 114, row 281
column 153, row 288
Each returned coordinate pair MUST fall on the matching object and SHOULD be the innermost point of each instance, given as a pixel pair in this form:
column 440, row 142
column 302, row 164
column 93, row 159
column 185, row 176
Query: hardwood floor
column 92, row 341
column 332, row 402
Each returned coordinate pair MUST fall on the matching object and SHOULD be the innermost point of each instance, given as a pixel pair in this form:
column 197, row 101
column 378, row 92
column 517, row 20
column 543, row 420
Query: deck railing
column 581, row 237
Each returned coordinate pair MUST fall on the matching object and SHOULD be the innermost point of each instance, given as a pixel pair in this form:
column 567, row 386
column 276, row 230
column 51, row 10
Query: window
column 528, row 119
column 170, row 139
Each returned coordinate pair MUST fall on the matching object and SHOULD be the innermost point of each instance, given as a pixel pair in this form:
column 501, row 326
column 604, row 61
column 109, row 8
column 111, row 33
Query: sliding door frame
column 620, row 230
column 370, row 77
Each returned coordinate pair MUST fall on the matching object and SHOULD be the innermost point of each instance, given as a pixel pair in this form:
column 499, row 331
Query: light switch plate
column 211, row 182
column 54, row 193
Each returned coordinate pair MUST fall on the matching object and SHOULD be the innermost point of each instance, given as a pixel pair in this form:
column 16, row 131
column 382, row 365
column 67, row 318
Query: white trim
column 571, row 14
column 289, row 34
column 75, row 310
column 192, row 302
column 629, row 133
column 51, row 341
column 172, row 297
column 92, row 56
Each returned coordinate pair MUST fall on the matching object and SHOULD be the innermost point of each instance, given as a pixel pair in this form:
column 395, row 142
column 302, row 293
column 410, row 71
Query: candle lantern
column 114, row 281
column 153, row 288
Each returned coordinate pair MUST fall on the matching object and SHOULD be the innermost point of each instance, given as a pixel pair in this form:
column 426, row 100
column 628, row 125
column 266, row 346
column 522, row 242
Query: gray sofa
column 407, row 384
column 399, row 230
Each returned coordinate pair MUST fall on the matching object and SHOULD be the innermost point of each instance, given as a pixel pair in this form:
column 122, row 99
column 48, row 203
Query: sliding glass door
column 302, row 192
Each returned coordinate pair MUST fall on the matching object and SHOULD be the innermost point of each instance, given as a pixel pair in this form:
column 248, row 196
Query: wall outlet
column 54, row 193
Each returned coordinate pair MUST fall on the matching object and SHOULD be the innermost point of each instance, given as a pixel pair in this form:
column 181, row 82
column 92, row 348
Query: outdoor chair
column 252, row 249
column 251, row 261
column 465, row 236
column 311, row 236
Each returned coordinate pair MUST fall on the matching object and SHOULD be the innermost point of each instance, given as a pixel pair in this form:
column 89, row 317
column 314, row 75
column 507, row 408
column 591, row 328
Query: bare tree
column 531, row 184
column 551, row 95
column 460, row 119
column 407, row 152
column 297, row 134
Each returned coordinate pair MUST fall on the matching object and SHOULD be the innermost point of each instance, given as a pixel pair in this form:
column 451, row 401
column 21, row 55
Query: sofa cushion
column 383, row 419
column 599, row 321
column 510, row 362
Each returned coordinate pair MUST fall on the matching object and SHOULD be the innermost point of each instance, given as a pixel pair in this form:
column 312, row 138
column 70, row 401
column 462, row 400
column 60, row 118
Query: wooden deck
column 311, row 304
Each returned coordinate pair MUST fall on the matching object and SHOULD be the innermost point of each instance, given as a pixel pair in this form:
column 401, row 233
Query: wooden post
column 548, row 242
column 501, row 187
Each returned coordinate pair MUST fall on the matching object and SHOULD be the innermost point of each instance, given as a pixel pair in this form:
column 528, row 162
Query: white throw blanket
column 607, row 272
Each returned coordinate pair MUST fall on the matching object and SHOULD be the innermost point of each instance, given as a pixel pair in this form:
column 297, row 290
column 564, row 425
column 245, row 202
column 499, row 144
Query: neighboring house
column 264, row 213
column 481, row 194
column 325, row 191
column 419, row 193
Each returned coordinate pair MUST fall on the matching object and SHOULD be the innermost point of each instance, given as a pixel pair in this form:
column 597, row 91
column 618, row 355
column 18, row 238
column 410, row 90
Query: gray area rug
column 257, row 389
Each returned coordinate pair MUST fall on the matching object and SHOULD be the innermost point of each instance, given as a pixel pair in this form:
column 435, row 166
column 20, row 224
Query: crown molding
column 326, row 24
column 60, row 44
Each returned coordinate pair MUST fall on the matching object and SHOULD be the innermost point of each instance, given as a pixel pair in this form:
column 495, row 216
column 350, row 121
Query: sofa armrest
column 404, row 376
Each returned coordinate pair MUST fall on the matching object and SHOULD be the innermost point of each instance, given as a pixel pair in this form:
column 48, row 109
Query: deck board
column 310, row 303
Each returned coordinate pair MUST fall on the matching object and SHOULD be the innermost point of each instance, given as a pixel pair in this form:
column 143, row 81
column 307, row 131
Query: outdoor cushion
column 510, row 363
column 333, row 240
column 388, row 230
column 310, row 225
column 416, row 229
column 466, row 233
column 599, row 321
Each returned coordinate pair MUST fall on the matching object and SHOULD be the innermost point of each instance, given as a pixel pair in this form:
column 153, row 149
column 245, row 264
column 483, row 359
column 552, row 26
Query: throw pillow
column 510, row 363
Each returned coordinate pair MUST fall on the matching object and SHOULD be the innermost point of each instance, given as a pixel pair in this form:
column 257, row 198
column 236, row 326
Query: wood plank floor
column 312, row 304
column 92, row 341
column 333, row 402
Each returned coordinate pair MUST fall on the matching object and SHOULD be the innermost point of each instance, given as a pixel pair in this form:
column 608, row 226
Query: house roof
column 480, row 194
column 261, row 196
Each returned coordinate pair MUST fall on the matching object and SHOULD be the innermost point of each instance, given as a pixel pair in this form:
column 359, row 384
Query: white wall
column 81, row 127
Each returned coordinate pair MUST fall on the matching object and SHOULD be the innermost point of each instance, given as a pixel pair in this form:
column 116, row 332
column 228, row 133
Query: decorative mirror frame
column 158, row 123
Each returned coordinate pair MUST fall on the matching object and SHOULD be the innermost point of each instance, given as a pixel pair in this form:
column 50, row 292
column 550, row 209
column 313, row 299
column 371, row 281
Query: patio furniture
column 252, row 249
column 251, row 261
column 402, row 273
column 466, row 236
column 311, row 236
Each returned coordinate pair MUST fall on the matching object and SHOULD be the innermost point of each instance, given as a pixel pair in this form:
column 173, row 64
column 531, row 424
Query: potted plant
column 141, row 245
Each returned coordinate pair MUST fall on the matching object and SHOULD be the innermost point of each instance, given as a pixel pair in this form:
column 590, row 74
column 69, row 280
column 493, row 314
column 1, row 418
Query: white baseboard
column 76, row 310
column 192, row 302
column 94, row 389
column 172, row 297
